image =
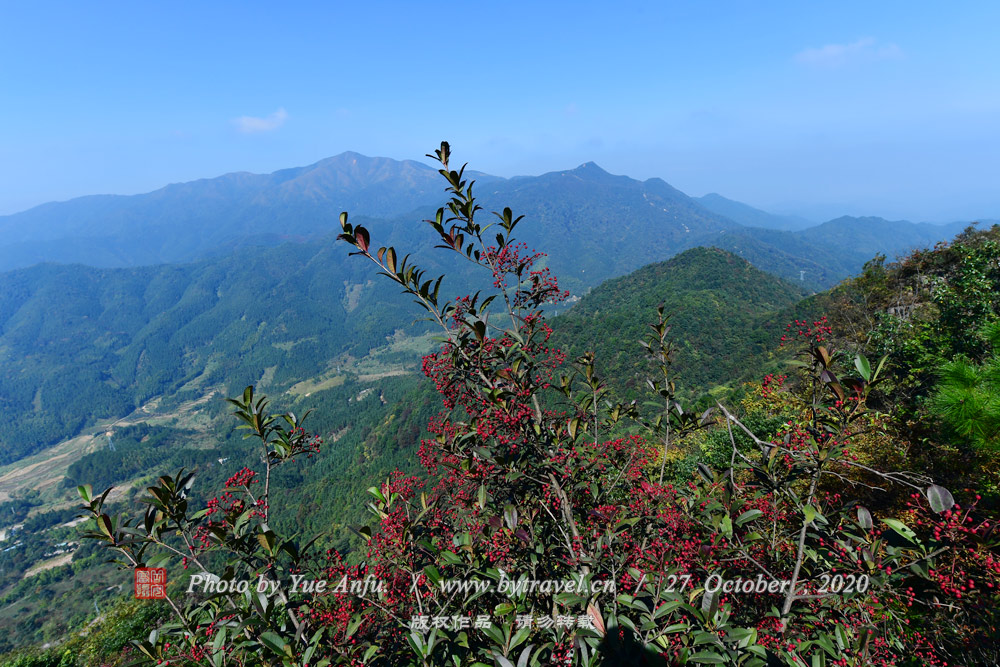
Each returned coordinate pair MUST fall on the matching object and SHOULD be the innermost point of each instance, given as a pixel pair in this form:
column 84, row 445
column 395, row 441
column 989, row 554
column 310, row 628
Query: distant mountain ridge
column 752, row 217
column 597, row 225
column 607, row 224
column 187, row 221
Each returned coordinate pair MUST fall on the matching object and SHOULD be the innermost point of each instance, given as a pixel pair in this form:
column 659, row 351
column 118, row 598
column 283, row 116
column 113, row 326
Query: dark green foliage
column 45, row 520
column 126, row 620
column 932, row 314
column 50, row 605
column 34, row 658
column 365, row 440
column 14, row 511
column 934, row 305
column 716, row 448
column 108, row 641
column 139, row 451
column 722, row 313
column 967, row 396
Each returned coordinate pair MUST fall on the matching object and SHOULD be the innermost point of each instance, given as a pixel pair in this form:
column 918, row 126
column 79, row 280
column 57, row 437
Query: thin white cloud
column 253, row 124
column 832, row 56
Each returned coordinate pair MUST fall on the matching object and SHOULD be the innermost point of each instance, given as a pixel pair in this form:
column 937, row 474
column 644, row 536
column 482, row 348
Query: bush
column 546, row 529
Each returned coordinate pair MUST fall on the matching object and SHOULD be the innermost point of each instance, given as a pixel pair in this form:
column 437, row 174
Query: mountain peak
column 591, row 171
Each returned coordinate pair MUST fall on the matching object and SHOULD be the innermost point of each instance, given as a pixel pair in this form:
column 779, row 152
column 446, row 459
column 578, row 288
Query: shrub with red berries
column 543, row 531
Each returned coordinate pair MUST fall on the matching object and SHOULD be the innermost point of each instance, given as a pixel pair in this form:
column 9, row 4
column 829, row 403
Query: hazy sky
column 879, row 108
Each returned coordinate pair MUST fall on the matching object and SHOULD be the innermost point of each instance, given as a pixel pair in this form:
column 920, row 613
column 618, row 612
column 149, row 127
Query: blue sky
column 878, row 108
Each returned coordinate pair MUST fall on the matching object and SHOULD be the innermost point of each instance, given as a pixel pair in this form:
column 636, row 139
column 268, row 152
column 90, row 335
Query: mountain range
column 188, row 221
column 239, row 279
column 613, row 224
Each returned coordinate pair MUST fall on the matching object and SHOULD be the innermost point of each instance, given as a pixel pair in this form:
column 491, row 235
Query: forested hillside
column 78, row 344
column 723, row 316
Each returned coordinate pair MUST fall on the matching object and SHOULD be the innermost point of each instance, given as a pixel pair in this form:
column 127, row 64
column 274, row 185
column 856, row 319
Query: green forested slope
column 722, row 312
column 78, row 343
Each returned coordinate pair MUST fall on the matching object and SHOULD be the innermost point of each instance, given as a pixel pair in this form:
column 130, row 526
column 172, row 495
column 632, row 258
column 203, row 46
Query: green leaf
column 147, row 648
column 432, row 574
column 726, row 526
column 811, row 513
column 706, row 473
column 416, row 643
column 450, row 558
column 158, row 560
column 274, row 642
column 510, row 516
column 865, row 368
column 901, row 528
column 353, row 626
column 881, row 363
column 842, row 639
column 525, row 656
column 519, row 637
column 743, row 637
column 824, row 641
column 749, row 515
column 267, row 541
column 375, row 491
